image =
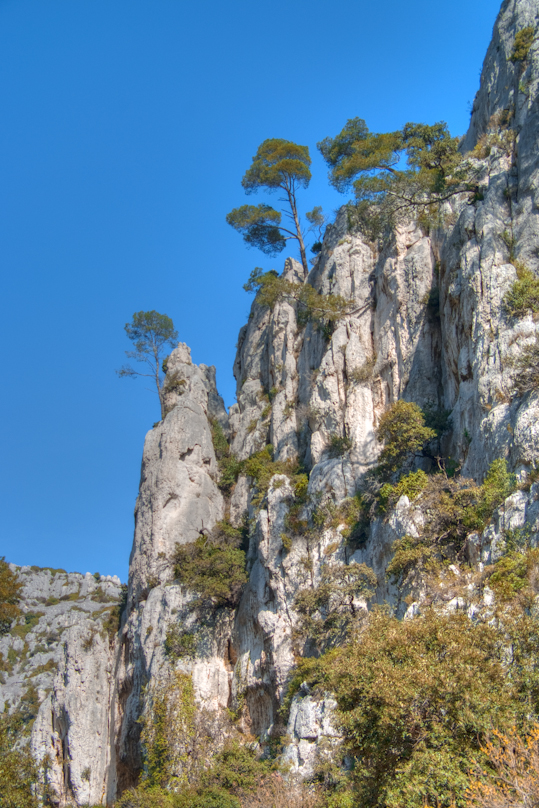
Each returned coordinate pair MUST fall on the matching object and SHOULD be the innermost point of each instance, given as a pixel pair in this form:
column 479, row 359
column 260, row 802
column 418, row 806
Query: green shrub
column 523, row 42
column 410, row 486
column 498, row 484
column 168, row 729
column 523, row 296
column 229, row 466
column 174, row 383
column 416, row 698
column 271, row 289
column 30, row 621
column 328, row 611
column 213, row 566
column 18, row 771
column 262, row 467
column 237, row 769
column 146, row 797
column 112, row 618
column 453, row 508
column 179, row 643
column 403, row 432
column 52, row 601
column 364, row 372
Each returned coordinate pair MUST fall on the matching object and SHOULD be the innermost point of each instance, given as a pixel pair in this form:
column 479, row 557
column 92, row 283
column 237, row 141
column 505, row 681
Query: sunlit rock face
column 58, row 669
column 426, row 323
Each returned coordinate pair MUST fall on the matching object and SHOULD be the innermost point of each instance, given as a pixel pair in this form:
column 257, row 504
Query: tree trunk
column 292, row 201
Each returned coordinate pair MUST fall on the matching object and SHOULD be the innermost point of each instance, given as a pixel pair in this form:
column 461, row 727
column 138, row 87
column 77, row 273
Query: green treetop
column 150, row 333
column 278, row 165
column 408, row 171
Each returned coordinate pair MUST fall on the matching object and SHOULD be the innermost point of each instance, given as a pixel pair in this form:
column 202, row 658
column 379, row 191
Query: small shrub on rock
column 523, row 296
column 523, row 42
column 410, row 486
column 213, row 566
column 403, row 432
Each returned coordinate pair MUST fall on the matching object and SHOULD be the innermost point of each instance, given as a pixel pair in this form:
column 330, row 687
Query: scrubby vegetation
column 186, row 764
column 526, row 366
column 416, row 700
column 332, row 610
column 454, row 507
column 271, row 289
column 403, row 432
column 523, row 42
column 523, row 296
column 19, row 776
column 213, row 566
column 229, row 466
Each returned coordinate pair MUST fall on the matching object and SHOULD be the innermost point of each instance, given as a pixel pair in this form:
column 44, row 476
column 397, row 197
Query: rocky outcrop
column 58, row 670
column 178, row 501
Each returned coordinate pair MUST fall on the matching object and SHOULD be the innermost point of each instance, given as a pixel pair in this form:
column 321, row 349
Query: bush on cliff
column 416, row 698
column 330, row 611
column 311, row 306
column 403, row 432
column 213, row 566
column 523, row 296
column 454, row 507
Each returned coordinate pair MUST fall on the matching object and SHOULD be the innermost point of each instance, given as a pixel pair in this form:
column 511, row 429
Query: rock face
column 58, row 668
column 427, row 325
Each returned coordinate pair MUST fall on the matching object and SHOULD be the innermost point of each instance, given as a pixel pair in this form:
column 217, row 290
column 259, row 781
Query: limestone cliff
column 426, row 324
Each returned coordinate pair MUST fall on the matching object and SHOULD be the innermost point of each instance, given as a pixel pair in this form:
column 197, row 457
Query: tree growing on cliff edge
column 278, row 165
column 150, row 332
column 409, row 172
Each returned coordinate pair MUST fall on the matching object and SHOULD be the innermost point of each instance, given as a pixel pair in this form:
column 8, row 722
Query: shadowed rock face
column 320, row 386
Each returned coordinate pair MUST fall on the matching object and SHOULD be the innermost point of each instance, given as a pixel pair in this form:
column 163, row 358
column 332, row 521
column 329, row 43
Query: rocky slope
column 58, row 670
column 302, row 390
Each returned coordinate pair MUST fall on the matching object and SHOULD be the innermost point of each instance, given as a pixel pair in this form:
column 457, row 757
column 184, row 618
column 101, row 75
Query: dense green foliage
column 18, row 772
column 523, row 42
column 10, row 590
column 150, row 332
column 213, row 566
column 370, row 162
column 411, row 485
column 415, row 698
column 278, row 165
column 261, row 467
column 167, row 728
column 229, row 466
column 224, row 780
column 403, row 432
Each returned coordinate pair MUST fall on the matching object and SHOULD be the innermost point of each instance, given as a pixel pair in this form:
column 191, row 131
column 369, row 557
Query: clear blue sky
column 126, row 128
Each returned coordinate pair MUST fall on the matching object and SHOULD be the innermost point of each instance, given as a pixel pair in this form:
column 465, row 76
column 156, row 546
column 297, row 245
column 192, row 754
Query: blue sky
column 126, row 128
